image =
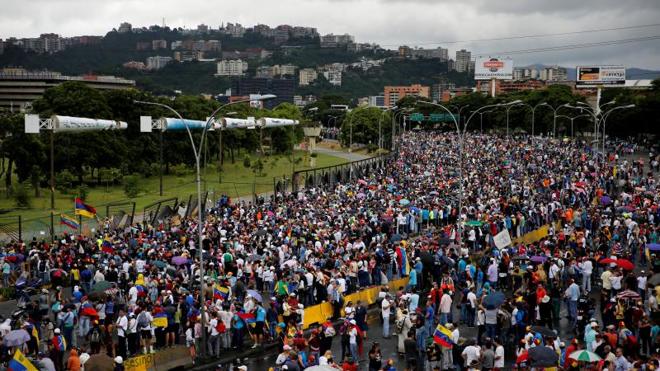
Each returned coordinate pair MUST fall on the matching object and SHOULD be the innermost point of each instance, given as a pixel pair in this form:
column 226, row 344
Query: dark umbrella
column 396, row 238
column 544, row 331
column 427, row 259
column 261, row 232
column 97, row 296
column 101, row 286
column 444, row 241
column 543, row 356
column 160, row 264
column 494, row 300
column 655, row 280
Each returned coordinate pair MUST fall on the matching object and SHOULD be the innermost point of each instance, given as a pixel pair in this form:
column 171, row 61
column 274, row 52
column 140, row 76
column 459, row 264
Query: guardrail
column 330, row 175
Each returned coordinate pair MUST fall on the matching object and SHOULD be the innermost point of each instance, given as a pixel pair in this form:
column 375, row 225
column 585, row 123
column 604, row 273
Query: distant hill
column 107, row 57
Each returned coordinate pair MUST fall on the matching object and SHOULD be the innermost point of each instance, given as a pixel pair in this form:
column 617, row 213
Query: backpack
column 142, row 321
column 95, row 337
column 520, row 317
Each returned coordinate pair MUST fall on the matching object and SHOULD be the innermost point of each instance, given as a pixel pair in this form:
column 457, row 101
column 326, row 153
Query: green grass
column 237, row 180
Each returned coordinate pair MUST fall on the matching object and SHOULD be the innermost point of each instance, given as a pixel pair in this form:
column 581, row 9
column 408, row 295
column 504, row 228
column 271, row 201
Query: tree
column 365, row 122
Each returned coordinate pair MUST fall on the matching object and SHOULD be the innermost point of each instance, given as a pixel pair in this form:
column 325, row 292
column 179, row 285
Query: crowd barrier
column 172, row 358
column 319, row 313
column 535, row 235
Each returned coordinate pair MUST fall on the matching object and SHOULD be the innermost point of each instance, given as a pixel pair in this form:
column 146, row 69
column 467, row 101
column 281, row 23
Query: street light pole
column 508, row 108
column 461, row 137
column 604, row 119
column 481, row 120
column 200, row 212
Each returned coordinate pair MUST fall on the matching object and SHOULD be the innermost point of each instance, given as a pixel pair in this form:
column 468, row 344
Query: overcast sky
column 387, row 22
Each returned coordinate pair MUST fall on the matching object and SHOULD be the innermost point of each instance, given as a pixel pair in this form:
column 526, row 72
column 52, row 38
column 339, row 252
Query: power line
column 534, row 35
column 573, row 46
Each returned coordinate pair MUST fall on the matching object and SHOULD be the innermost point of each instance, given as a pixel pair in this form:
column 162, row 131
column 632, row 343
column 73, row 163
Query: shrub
column 83, row 191
column 180, row 170
column 64, row 181
column 131, row 185
column 21, row 195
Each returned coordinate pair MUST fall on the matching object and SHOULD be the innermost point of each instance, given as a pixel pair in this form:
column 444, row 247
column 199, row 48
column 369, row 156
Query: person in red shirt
column 349, row 365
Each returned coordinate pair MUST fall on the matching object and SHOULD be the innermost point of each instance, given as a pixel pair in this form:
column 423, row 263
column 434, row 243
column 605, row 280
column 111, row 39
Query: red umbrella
column 522, row 357
column 607, row 261
column 625, row 264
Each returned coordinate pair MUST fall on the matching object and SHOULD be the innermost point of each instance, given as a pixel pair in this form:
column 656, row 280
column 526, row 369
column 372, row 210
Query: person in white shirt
column 499, row 355
column 385, row 310
column 144, row 320
column 214, row 339
column 122, row 327
column 132, row 294
column 352, row 340
column 586, row 266
column 132, row 335
column 641, row 284
column 471, row 353
column 445, row 307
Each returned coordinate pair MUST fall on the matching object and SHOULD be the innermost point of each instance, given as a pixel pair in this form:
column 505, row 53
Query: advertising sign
column 502, row 239
column 592, row 76
column 488, row 68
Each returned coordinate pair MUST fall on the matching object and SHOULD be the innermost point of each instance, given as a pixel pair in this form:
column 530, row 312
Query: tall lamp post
column 481, row 120
column 399, row 113
column 572, row 120
column 604, row 119
column 508, row 108
column 197, row 151
column 461, row 137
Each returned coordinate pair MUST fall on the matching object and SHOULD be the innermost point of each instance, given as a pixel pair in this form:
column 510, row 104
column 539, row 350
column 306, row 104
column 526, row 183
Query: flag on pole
column 20, row 363
column 69, row 222
column 443, row 337
column 83, row 209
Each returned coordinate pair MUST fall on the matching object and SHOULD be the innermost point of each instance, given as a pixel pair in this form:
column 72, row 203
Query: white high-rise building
column 306, row 76
column 157, row 62
column 462, row 63
column 232, row 67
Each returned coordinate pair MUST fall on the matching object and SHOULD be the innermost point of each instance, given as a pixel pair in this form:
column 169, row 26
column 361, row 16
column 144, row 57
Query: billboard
column 592, row 76
column 488, row 68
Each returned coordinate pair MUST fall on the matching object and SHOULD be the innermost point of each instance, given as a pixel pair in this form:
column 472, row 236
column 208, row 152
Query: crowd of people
column 135, row 290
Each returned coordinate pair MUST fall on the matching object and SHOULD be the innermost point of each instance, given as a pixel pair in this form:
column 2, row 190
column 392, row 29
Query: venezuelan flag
column 84, row 209
column 160, row 319
column 401, row 255
column 20, row 363
column 442, row 336
column 69, row 222
column 35, row 334
column 221, row 292
column 247, row 317
column 106, row 246
column 142, row 292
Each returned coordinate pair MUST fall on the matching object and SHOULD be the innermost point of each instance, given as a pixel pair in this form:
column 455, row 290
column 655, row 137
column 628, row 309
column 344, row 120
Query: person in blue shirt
column 258, row 331
column 239, row 332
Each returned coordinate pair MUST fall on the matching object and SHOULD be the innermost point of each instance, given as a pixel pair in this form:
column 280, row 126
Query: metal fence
column 330, row 175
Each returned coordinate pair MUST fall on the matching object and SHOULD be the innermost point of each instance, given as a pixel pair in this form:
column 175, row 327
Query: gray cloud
column 387, row 22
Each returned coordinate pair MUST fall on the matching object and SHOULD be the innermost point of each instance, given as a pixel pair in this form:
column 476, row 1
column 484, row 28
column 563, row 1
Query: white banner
column 502, row 239
column 487, row 68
